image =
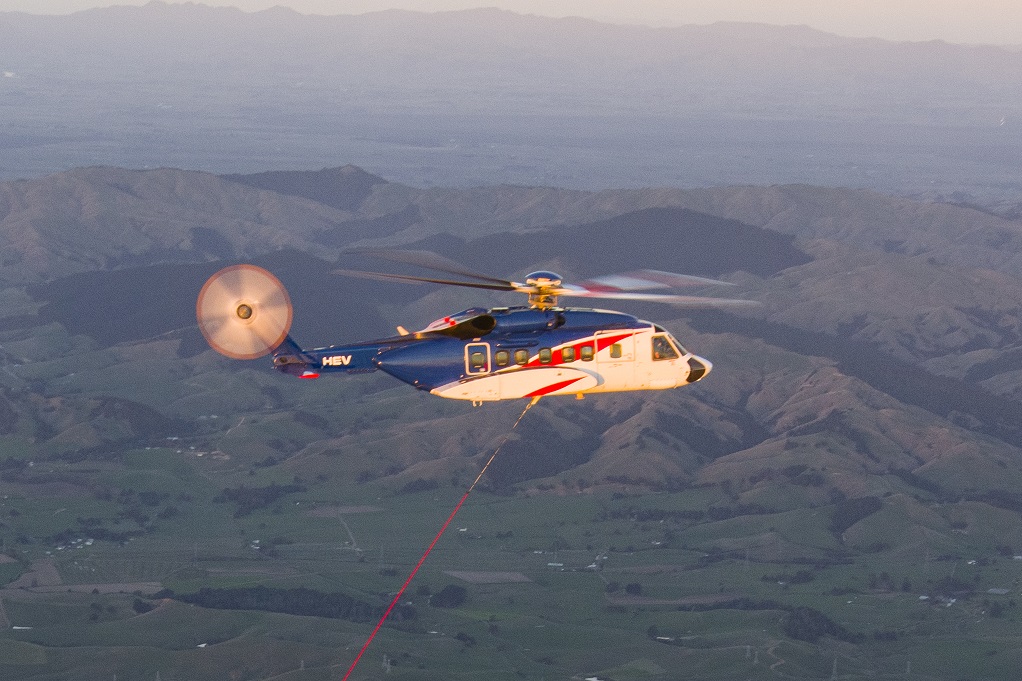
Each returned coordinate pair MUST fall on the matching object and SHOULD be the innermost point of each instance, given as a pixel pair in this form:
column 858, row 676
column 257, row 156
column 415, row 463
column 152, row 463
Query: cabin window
column 477, row 360
column 502, row 358
column 568, row 354
column 521, row 357
column 662, row 348
column 545, row 356
column 586, row 353
column 615, row 351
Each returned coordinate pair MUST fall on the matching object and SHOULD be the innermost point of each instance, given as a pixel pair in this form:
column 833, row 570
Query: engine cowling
column 473, row 323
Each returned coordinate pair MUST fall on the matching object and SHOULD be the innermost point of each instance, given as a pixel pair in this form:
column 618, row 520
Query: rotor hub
column 543, row 289
column 543, row 279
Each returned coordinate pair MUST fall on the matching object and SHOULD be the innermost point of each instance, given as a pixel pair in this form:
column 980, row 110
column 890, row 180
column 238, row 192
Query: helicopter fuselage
column 512, row 353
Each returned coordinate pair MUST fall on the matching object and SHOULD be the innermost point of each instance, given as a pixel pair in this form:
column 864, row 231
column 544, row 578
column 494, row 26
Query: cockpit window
column 662, row 348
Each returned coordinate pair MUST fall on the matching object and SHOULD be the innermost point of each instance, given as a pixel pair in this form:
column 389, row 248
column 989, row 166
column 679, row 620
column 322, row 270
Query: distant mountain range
column 489, row 96
column 98, row 218
column 733, row 68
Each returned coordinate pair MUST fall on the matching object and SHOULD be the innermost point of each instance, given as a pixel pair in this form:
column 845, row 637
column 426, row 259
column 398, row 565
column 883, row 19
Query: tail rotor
column 244, row 312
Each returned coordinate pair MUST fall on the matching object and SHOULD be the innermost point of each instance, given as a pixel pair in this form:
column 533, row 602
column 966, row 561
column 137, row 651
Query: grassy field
column 618, row 587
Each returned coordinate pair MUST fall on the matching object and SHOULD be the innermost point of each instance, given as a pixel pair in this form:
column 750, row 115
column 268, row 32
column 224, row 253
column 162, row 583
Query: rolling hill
column 866, row 414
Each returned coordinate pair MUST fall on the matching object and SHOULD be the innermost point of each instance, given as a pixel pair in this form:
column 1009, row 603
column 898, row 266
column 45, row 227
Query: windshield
column 662, row 348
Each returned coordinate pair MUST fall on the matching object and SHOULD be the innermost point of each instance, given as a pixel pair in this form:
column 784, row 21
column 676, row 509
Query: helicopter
column 478, row 354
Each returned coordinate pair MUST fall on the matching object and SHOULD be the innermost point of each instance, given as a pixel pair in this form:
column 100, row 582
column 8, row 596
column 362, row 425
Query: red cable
column 405, row 585
column 435, row 540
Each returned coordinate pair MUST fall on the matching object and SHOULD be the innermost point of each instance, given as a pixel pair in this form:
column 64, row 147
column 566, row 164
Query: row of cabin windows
column 662, row 349
column 503, row 358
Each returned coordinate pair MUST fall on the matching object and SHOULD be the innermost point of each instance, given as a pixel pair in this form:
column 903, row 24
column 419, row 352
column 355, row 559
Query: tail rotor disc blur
column 244, row 312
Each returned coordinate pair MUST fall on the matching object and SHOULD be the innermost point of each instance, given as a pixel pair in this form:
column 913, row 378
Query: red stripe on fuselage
column 553, row 387
column 605, row 342
column 602, row 343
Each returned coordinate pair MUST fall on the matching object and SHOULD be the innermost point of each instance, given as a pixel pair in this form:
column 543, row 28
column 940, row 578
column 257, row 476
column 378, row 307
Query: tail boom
column 348, row 359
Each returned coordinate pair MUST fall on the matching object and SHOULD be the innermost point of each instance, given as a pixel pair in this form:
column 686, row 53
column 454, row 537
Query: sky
column 959, row 21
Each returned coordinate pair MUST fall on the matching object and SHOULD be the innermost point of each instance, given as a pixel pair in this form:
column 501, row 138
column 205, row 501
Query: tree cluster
column 298, row 601
column 851, row 511
column 451, row 596
column 249, row 499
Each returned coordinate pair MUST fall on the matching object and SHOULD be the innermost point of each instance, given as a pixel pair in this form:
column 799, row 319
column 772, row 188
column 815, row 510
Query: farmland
column 619, row 585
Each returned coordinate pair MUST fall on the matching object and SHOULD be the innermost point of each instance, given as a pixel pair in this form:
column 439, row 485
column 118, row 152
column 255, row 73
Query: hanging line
column 439, row 534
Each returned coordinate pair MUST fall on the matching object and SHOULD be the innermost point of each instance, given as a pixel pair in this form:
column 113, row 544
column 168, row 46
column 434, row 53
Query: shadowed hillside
column 670, row 239
column 342, row 188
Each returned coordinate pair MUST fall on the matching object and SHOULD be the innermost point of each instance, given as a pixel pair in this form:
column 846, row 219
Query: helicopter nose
column 698, row 367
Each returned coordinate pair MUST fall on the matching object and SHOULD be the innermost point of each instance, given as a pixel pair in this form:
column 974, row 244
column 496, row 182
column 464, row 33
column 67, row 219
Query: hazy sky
column 973, row 21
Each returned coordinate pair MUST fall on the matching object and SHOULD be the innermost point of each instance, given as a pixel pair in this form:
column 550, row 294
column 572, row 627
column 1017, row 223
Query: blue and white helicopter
column 481, row 355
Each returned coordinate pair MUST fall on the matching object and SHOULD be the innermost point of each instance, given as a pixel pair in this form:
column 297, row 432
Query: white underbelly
column 559, row 380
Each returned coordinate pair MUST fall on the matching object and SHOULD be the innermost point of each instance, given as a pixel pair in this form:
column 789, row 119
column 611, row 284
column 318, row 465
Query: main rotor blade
column 646, row 279
column 381, row 276
column 429, row 260
column 680, row 301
